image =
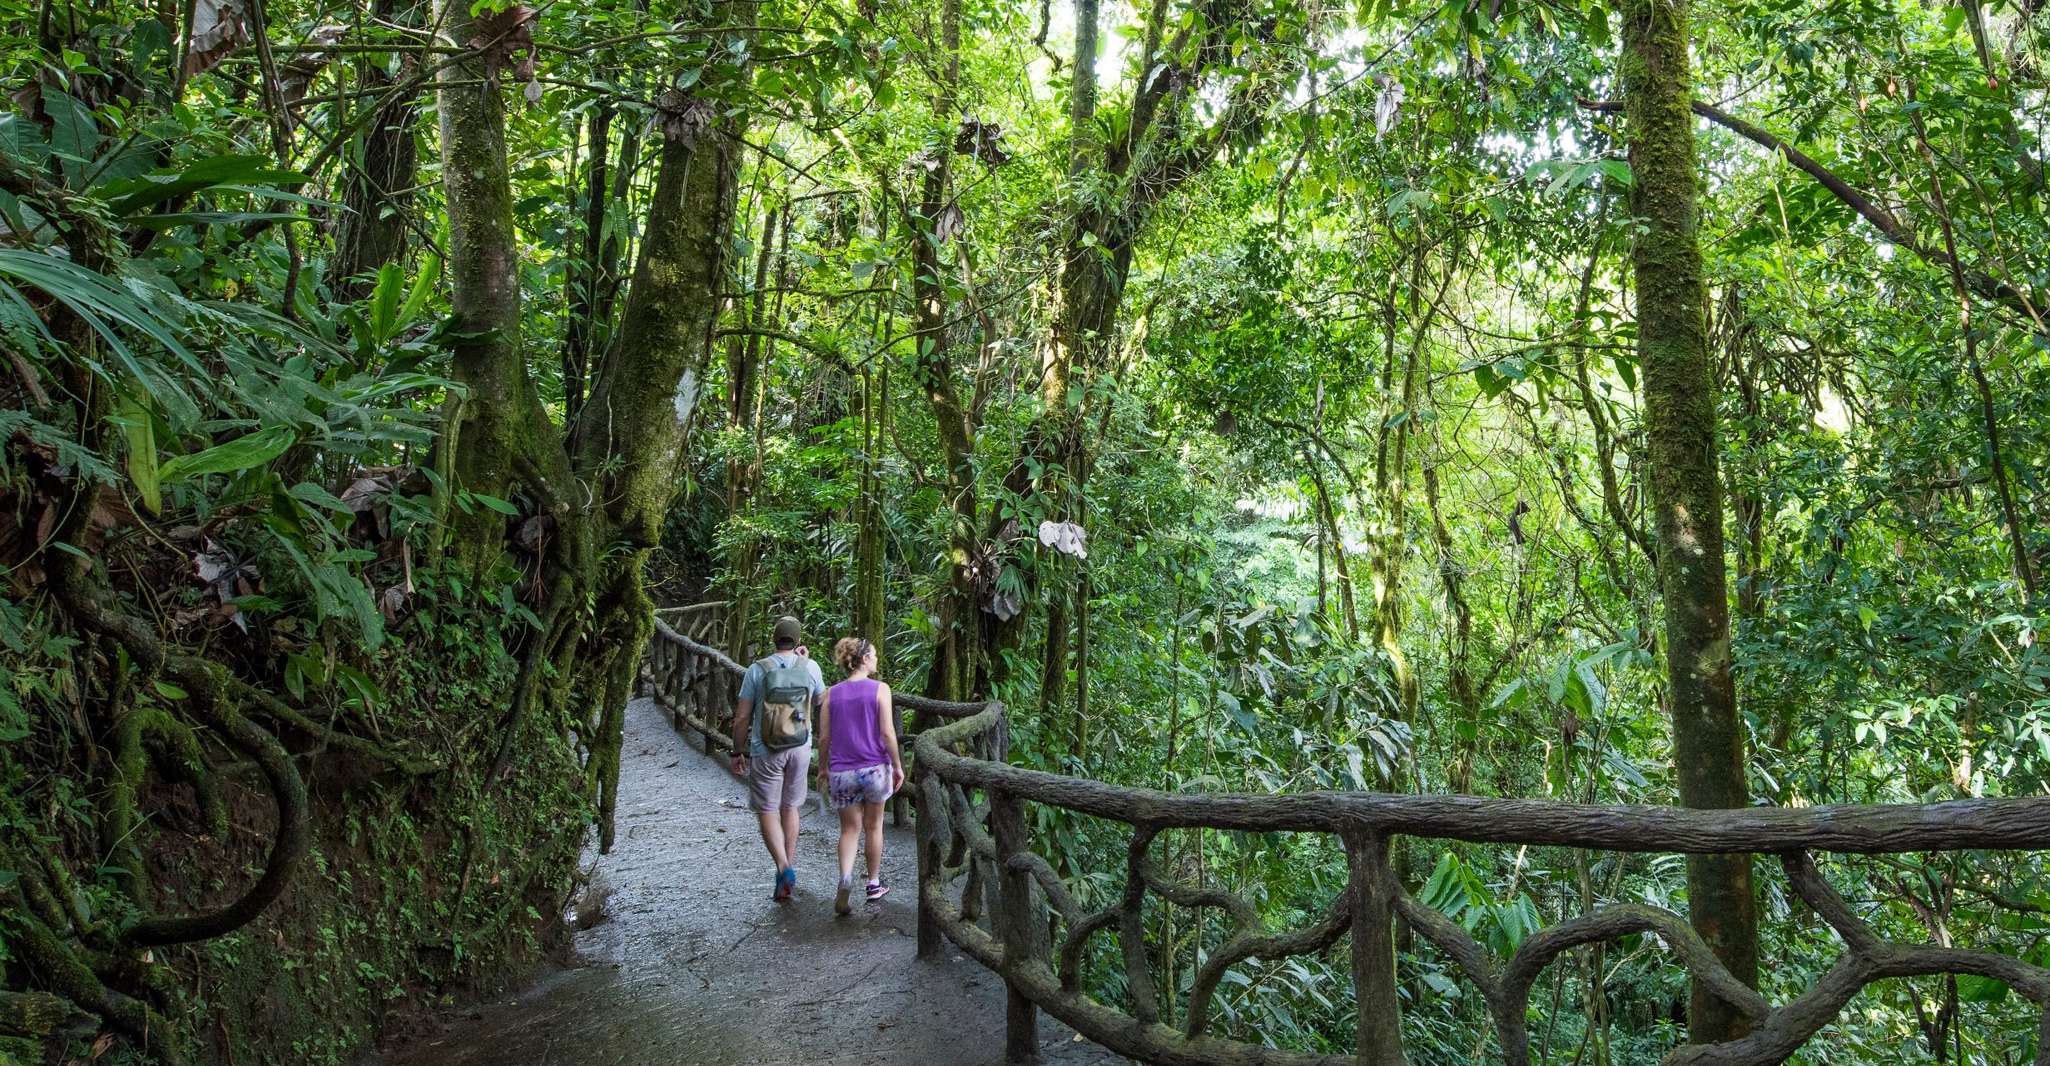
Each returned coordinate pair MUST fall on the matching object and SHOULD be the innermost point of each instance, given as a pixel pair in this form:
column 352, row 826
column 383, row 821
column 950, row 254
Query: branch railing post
column 1015, row 927
column 1373, row 949
column 925, row 833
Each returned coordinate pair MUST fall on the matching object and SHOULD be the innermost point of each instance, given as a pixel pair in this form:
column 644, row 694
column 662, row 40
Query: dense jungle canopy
column 1622, row 401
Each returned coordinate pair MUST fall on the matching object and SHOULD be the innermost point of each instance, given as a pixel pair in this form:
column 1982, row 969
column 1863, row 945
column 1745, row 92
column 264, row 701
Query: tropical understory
column 1621, row 402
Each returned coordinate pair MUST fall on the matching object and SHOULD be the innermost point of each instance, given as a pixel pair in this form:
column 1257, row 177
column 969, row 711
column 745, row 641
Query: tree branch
column 1889, row 225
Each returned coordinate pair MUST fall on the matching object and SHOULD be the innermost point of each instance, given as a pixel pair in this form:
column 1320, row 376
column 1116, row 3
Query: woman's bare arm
column 886, row 724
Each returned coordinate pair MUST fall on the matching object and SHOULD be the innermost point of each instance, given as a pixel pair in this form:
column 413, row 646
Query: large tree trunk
column 630, row 438
column 1680, row 411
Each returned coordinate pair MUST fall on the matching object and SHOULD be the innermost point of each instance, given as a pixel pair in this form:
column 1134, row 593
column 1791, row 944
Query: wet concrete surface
column 697, row 965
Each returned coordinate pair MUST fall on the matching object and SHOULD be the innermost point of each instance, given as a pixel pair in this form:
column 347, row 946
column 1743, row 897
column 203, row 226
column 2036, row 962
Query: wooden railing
column 697, row 685
column 984, row 887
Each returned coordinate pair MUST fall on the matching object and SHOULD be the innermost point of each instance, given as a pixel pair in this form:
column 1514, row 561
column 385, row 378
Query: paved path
column 698, row 966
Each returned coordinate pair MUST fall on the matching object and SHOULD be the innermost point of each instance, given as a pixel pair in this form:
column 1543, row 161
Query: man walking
column 772, row 722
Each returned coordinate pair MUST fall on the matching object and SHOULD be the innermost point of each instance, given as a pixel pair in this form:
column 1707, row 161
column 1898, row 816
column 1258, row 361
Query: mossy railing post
column 1014, row 922
column 929, row 859
column 1373, row 949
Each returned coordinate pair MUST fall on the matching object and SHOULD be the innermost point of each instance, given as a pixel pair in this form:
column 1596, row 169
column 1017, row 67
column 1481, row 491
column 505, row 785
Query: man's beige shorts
column 776, row 780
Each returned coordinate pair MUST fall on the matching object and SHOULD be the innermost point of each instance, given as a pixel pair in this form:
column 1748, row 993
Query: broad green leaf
column 496, row 504
column 139, row 433
column 242, row 453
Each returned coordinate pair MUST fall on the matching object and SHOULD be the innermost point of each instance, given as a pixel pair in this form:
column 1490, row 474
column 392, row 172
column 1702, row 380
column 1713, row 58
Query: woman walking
column 859, row 765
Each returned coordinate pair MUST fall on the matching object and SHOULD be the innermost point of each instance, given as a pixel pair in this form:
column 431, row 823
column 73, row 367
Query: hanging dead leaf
column 217, row 28
column 505, row 41
column 983, row 140
column 947, row 224
column 296, row 76
column 1005, row 605
column 1387, row 103
column 1065, row 537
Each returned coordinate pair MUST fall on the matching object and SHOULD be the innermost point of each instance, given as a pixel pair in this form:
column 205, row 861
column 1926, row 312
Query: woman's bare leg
column 850, row 835
column 872, row 819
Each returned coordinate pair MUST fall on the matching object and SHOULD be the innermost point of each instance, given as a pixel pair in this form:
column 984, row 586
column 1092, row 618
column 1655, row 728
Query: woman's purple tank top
column 857, row 739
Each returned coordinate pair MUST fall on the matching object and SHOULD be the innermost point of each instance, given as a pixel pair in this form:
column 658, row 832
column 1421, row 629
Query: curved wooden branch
column 1867, row 959
column 1253, row 942
column 1077, row 939
column 1620, row 920
column 1820, row 895
column 1458, row 945
column 1610, row 923
column 1057, row 892
column 1173, row 890
column 1114, row 1029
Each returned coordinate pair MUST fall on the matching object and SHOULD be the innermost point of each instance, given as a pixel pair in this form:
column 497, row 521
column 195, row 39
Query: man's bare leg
column 789, row 836
column 772, row 823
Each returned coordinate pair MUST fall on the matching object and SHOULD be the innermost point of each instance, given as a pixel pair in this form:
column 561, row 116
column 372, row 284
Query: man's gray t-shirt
column 751, row 691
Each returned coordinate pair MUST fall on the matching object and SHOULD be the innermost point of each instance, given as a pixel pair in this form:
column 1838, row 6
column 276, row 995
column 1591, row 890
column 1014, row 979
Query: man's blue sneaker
column 786, row 883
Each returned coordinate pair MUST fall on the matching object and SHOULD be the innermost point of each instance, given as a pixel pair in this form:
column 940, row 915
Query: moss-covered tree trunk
column 498, row 435
column 1680, row 412
column 630, row 439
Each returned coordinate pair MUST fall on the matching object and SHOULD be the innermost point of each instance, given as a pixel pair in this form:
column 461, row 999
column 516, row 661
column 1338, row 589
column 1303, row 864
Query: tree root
column 277, row 709
column 36, row 1015
column 70, row 977
column 175, row 752
column 205, row 683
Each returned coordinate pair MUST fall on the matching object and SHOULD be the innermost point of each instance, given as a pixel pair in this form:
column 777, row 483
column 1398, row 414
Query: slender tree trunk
column 1458, row 636
column 743, row 412
column 377, row 192
column 587, row 273
column 1079, row 738
column 958, row 657
column 1391, row 484
column 1680, row 412
column 1330, row 534
column 869, row 571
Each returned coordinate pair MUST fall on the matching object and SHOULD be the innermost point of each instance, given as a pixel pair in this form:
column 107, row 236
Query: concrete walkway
column 698, row 966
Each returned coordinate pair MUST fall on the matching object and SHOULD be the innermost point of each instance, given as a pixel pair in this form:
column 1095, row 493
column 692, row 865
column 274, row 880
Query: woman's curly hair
column 849, row 651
